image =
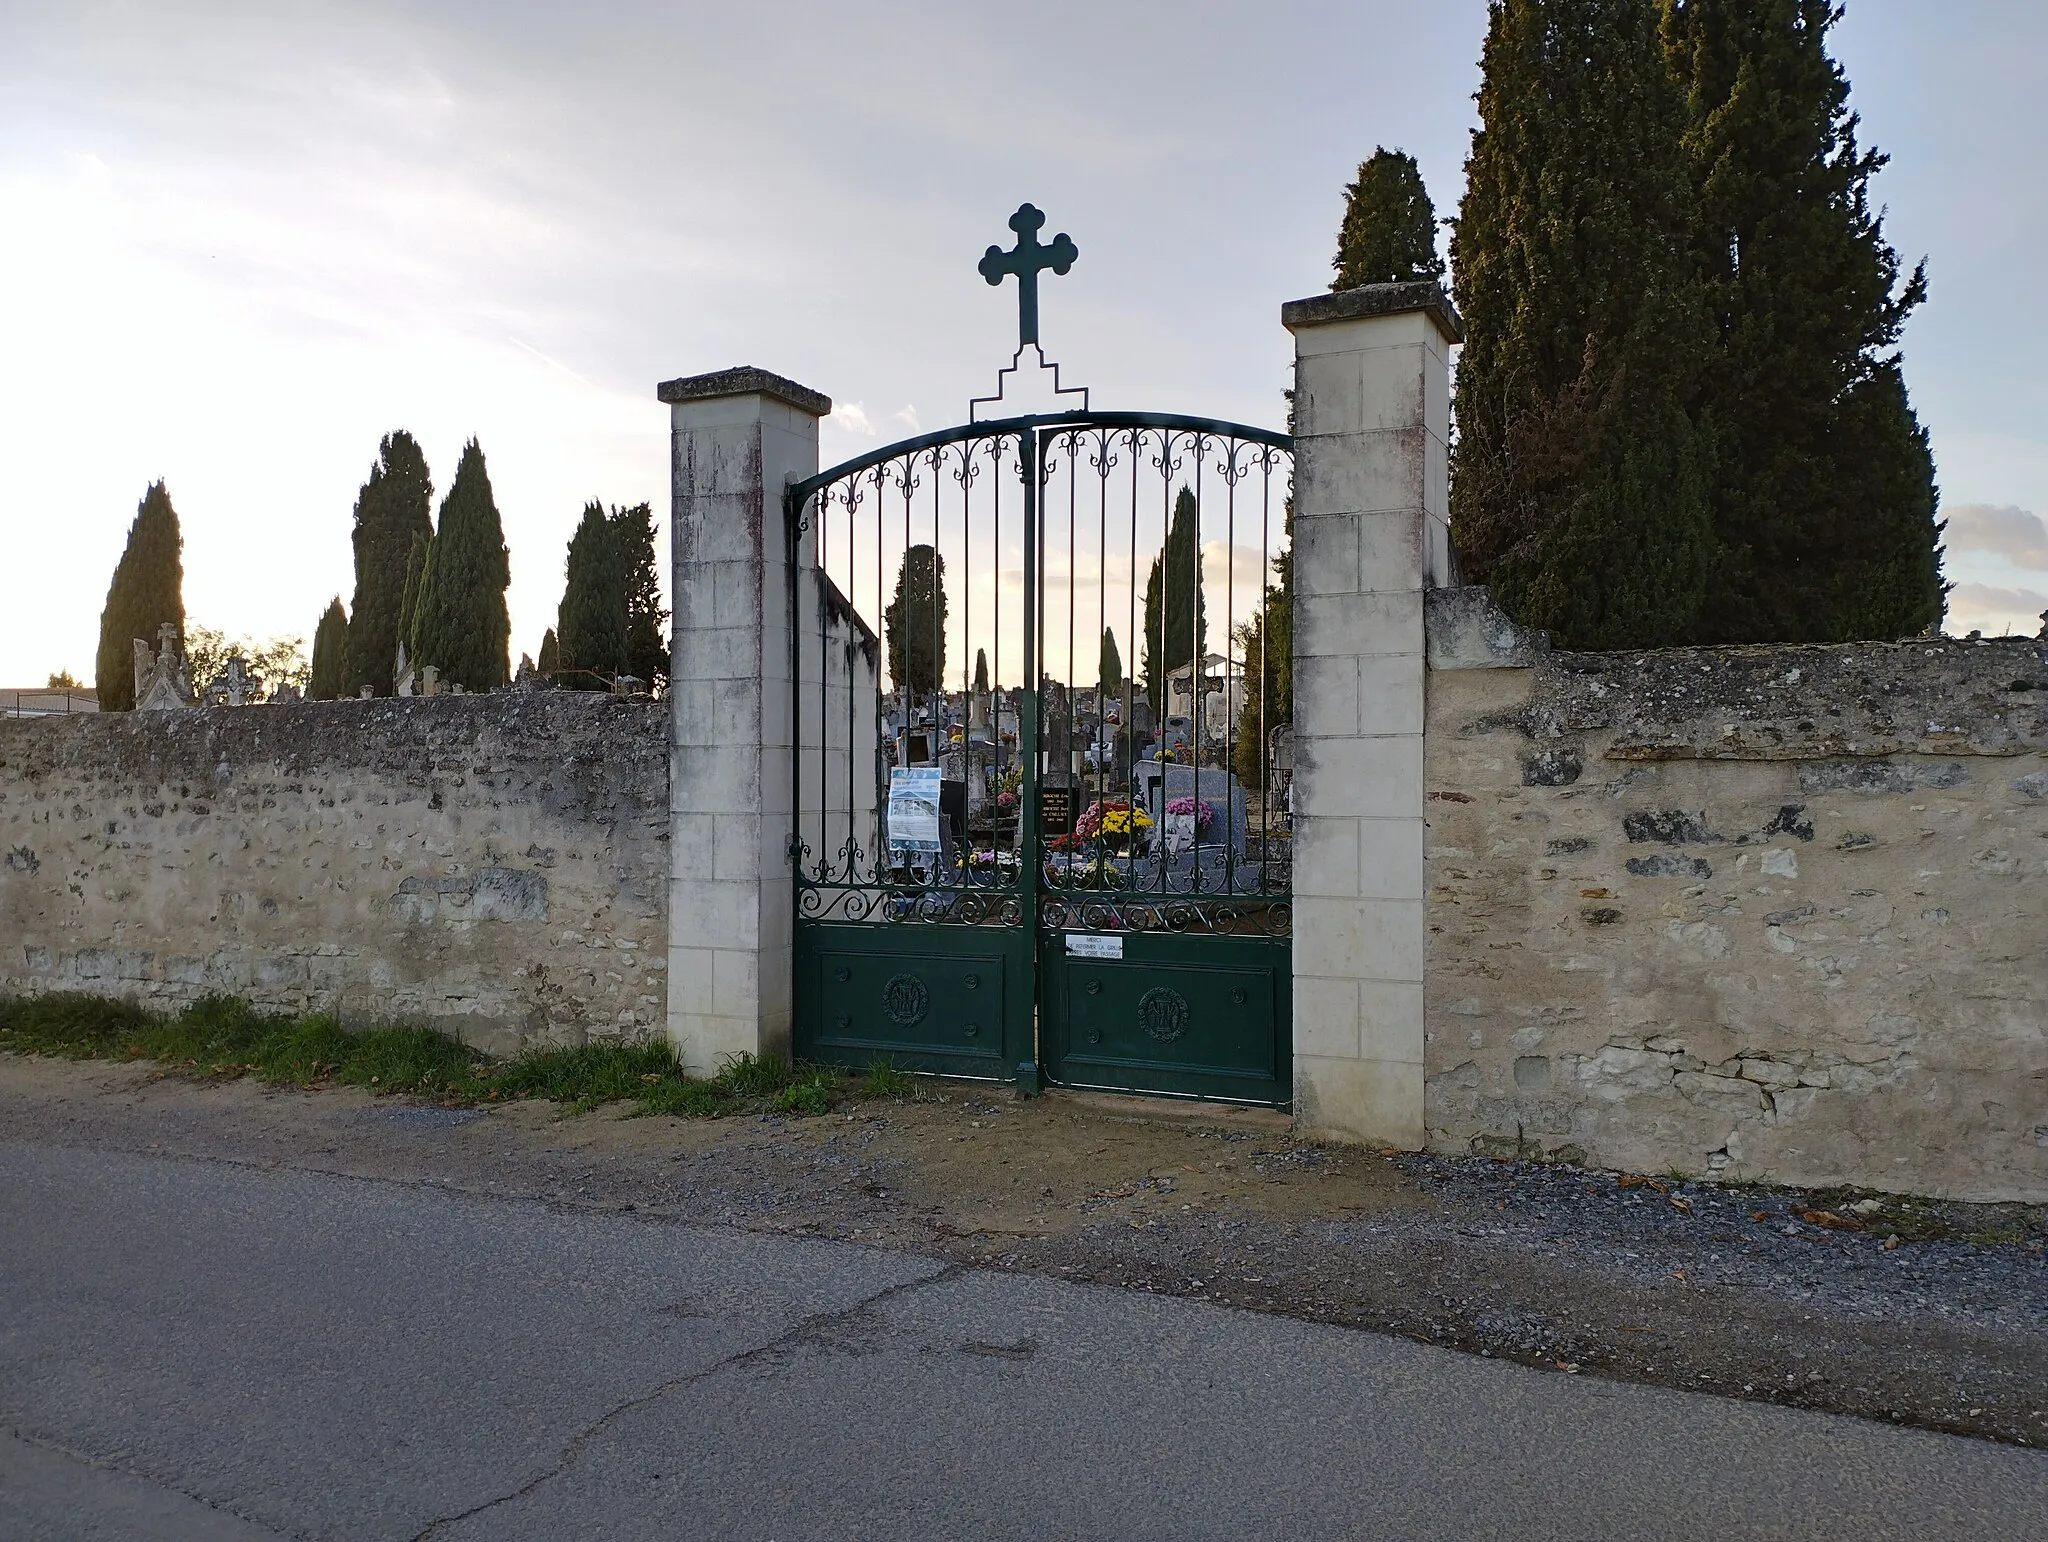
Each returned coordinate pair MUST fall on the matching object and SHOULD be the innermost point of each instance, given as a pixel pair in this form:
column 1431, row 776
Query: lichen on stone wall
column 1929, row 696
column 495, row 864
column 1761, row 913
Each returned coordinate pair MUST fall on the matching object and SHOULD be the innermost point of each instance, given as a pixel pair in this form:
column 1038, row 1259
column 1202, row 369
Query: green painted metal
column 1197, row 1016
column 956, row 1000
column 1025, row 262
column 800, row 493
column 975, row 976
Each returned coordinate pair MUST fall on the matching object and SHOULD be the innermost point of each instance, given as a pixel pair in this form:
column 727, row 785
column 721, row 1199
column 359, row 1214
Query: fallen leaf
column 1678, row 1203
column 1631, row 1182
column 1759, row 1215
column 1829, row 1218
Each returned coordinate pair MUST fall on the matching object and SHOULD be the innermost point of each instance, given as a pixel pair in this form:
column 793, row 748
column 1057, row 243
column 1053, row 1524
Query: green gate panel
column 950, row 999
column 1198, row 1015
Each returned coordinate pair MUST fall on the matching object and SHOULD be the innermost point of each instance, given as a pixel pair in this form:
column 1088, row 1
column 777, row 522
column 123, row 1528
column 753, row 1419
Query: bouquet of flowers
column 1204, row 815
column 1114, row 823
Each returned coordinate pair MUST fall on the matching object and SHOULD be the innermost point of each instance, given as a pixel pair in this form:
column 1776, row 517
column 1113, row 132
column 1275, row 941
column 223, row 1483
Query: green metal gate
column 1012, row 859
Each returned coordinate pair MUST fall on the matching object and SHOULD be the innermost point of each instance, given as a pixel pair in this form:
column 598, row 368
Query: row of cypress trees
column 439, row 588
column 1680, row 411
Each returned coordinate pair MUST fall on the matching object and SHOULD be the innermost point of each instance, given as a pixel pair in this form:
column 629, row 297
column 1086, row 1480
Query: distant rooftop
column 46, row 701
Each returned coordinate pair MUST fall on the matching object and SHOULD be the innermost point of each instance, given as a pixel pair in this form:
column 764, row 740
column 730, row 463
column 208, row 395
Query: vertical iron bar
column 1027, row 732
column 1230, row 723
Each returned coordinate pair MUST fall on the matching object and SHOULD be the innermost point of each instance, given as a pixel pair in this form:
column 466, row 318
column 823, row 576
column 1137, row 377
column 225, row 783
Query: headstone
column 162, row 679
column 1055, row 735
column 238, row 683
column 1155, row 785
column 430, row 681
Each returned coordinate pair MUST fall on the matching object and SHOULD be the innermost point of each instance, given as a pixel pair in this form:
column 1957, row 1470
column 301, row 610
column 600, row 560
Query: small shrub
column 811, row 1097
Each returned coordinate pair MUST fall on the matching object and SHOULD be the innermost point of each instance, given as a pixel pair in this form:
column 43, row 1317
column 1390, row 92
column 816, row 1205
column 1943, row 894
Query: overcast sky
column 240, row 242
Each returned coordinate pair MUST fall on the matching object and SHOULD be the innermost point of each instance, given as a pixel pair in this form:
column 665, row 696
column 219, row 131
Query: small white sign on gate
column 1085, row 945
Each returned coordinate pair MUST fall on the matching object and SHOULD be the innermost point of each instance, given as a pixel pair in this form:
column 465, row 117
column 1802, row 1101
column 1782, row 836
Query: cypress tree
column 646, row 619
column 981, row 671
column 550, row 661
column 148, row 589
column 1580, row 486
column 393, row 509
column 916, row 622
column 1176, row 612
column 1389, row 230
column 416, row 563
column 1824, row 501
column 330, row 654
column 1109, row 667
column 462, row 627
column 590, row 626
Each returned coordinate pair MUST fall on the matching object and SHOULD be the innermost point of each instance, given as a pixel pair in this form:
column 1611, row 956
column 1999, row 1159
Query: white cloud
column 2005, row 530
column 907, row 416
column 852, row 417
column 1995, row 611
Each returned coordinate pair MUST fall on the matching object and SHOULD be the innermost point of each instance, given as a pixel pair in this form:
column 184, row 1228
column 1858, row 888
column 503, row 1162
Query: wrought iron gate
column 1013, row 860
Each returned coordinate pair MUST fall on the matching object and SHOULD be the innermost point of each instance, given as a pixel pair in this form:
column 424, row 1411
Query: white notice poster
column 914, row 808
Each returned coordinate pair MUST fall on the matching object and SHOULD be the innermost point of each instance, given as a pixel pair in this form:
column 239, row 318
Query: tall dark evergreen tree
column 590, row 627
column 1389, row 230
column 916, row 622
column 394, row 507
column 1176, row 611
column 1580, row 486
column 462, row 627
column 550, row 661
column 1824, row 502
column 646, row 619
column 416, row 564
column 981, row 671
column 330, row 654
column 148, row 589
column 1109, row 666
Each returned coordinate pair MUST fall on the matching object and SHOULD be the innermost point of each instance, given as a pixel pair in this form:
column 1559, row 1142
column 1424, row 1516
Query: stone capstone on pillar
column 739, row 437
column 1371, row 535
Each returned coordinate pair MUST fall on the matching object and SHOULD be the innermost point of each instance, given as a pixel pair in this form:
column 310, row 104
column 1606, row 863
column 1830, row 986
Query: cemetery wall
column 1769, row 914
column 494, row 864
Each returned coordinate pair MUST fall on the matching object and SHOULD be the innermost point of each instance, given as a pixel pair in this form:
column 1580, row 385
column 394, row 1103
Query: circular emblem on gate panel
column 1163, row 1014
column 906, row 1000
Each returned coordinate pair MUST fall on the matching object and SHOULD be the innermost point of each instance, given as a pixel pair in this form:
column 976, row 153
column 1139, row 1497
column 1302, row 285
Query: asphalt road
column 193, row 1349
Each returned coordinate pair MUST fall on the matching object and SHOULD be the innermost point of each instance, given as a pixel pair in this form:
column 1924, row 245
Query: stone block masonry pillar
column 1371, row 533
column 738, row 438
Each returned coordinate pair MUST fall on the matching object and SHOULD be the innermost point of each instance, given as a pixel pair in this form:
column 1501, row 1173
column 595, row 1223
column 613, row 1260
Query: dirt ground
column 1913, row 1311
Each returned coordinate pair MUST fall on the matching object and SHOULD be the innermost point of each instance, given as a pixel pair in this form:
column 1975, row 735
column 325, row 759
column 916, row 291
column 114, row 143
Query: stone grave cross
column 1026, row 261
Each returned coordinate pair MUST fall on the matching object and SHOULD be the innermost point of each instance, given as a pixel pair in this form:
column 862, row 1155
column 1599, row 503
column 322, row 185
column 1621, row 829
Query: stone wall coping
column 1426, row 296
column 745, row 380
column 1466, row 629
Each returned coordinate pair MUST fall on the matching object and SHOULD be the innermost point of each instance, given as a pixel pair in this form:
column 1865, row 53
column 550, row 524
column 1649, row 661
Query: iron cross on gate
column 1026, row 261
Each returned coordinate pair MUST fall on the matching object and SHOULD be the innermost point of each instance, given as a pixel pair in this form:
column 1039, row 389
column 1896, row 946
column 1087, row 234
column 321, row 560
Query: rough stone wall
column 1776, row 913
column 494, row 864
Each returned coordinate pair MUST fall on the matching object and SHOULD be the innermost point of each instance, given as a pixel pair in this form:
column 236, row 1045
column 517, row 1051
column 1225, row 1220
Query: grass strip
column 224, row 1037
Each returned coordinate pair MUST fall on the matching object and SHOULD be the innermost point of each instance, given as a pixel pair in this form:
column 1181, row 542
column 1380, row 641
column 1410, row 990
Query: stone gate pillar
column 738, row 437
column 1371, row 532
